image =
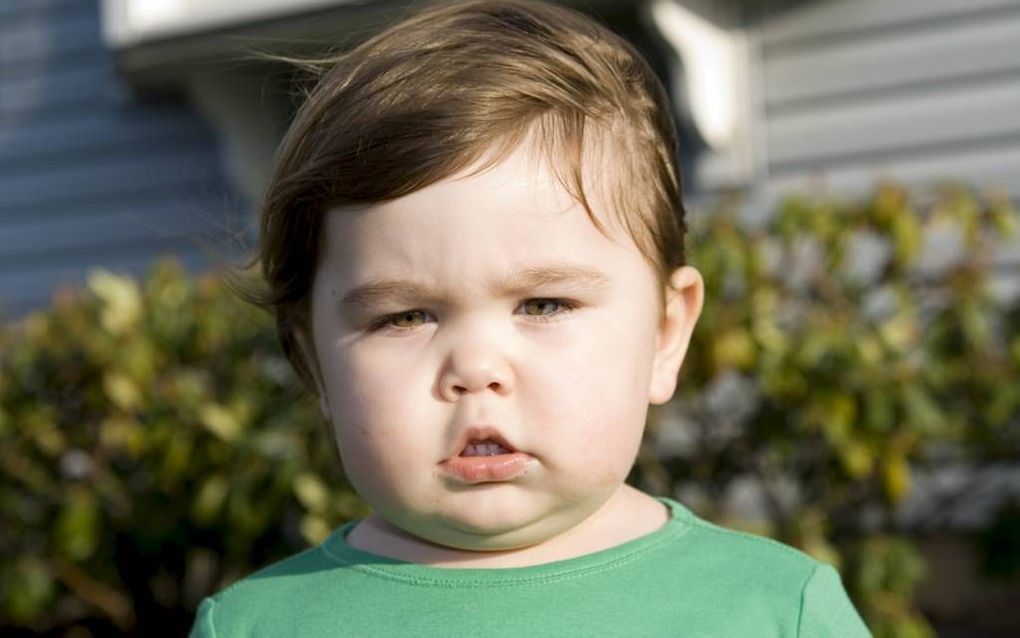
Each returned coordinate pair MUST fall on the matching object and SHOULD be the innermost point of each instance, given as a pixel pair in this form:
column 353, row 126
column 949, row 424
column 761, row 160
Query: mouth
column 486, row 447
column 483, row 455
column 483, row 441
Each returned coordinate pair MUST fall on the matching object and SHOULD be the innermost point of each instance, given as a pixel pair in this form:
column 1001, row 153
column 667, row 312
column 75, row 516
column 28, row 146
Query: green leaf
column 210, row 499
column 77, row 530
column 29, row 588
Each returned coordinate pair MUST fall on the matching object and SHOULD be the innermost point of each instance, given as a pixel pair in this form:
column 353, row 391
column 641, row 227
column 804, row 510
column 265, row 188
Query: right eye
column 401, row 320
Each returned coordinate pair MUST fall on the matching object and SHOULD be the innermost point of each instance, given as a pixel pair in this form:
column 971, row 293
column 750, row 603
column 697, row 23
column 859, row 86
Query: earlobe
column 684, row 299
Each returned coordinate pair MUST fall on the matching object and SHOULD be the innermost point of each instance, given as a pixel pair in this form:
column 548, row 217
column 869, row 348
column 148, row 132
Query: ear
column 307, row 348
column 684, row 297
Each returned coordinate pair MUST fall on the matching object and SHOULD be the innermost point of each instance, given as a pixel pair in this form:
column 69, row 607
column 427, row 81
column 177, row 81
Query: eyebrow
column 519, row 282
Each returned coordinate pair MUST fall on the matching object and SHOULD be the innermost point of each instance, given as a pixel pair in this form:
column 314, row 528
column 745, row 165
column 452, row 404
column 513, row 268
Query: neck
column 627, row 515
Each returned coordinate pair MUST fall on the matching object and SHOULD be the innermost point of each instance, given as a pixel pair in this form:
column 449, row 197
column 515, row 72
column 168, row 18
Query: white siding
column 914, row 90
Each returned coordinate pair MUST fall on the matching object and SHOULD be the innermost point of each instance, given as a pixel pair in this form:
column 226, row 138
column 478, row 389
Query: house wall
column 912, row 89
column 90, row 173
column 848, row 91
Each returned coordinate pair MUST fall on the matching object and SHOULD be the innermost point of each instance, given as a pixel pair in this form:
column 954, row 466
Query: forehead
column 510, row 215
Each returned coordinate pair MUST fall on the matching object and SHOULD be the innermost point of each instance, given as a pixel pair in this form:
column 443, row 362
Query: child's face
column 508, row 309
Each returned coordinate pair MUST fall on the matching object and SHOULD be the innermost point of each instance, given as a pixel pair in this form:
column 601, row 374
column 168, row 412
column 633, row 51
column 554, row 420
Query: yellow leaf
column 907, row 234
column 210, row 499
column 311, row 492
column 121, row 390
column 1004, row 219
column 896, row 477
column 900, row 332
column 870, row 350
column 314, row 529
column 857, row 459
column 122, row 300
column 220, row 421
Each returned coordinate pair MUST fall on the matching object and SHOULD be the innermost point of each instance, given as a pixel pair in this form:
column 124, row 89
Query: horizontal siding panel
column 845, row 68
column 106, row 176
column 58, row 87
column 981, row 168
column 10, row 9
column 196, row 220
column 37, row 37
column 893, row 125
column 59, row 139
column 132, row 197
column 815, row 22
column 98, row 252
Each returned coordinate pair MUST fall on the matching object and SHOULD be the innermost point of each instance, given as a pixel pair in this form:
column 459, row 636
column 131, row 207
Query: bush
column 842, row 345
column 155, row 445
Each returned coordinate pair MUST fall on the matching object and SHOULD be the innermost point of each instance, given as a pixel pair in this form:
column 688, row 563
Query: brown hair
column 441, row 90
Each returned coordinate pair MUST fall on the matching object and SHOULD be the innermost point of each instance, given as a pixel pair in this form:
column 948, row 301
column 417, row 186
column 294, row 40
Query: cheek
column 603, row 363
column 383, row 448
column 593, row 394
column 374, row 408
column 369, row 382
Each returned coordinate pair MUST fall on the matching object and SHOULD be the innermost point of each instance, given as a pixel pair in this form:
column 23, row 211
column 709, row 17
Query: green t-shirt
column 689, row 578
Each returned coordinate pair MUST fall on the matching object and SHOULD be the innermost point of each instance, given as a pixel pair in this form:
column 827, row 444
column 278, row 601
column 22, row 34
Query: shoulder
column 826, row 610
column 269, row 593
column 750, row 555
column 762, row 571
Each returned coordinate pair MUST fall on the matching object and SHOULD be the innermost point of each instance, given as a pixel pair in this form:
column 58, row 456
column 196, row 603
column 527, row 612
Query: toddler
column 473, row 245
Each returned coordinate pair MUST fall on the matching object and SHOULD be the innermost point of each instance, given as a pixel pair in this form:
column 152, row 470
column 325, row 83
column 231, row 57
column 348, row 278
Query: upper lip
column 480, row 433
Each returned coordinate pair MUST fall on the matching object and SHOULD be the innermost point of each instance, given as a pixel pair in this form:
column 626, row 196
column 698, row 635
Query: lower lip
column 481, row 469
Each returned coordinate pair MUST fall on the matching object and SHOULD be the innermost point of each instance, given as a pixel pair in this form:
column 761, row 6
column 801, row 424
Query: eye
column 401, row 321
column 546, row 309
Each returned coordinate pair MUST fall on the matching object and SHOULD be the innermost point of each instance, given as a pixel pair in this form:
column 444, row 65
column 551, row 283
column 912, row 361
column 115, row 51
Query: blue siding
column 90, row 174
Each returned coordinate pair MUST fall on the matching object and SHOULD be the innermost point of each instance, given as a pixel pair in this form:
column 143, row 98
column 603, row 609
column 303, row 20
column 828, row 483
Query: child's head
column 475, row 231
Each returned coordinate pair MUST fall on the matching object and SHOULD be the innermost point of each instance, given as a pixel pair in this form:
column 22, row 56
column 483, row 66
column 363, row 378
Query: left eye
column 542, row 307
column 408, row 319
column 547, row 309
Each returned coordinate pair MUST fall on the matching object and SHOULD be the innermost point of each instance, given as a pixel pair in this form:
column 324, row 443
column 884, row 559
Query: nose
column 475, row 367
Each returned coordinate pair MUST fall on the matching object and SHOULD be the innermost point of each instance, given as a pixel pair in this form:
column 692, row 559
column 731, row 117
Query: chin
column 492, row 540
column 492, row 531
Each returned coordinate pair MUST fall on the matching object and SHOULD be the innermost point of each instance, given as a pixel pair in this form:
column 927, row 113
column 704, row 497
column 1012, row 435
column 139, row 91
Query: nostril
column 495, row 386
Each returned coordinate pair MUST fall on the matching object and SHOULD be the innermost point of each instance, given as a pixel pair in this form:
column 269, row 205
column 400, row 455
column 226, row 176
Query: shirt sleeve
column 826, row 610
column 203, row 627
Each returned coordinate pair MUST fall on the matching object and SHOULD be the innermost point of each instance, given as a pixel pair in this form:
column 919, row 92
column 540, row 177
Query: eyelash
column 565, row 305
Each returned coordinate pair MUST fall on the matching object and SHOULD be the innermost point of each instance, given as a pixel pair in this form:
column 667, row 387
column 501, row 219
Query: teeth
column 484, row 449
